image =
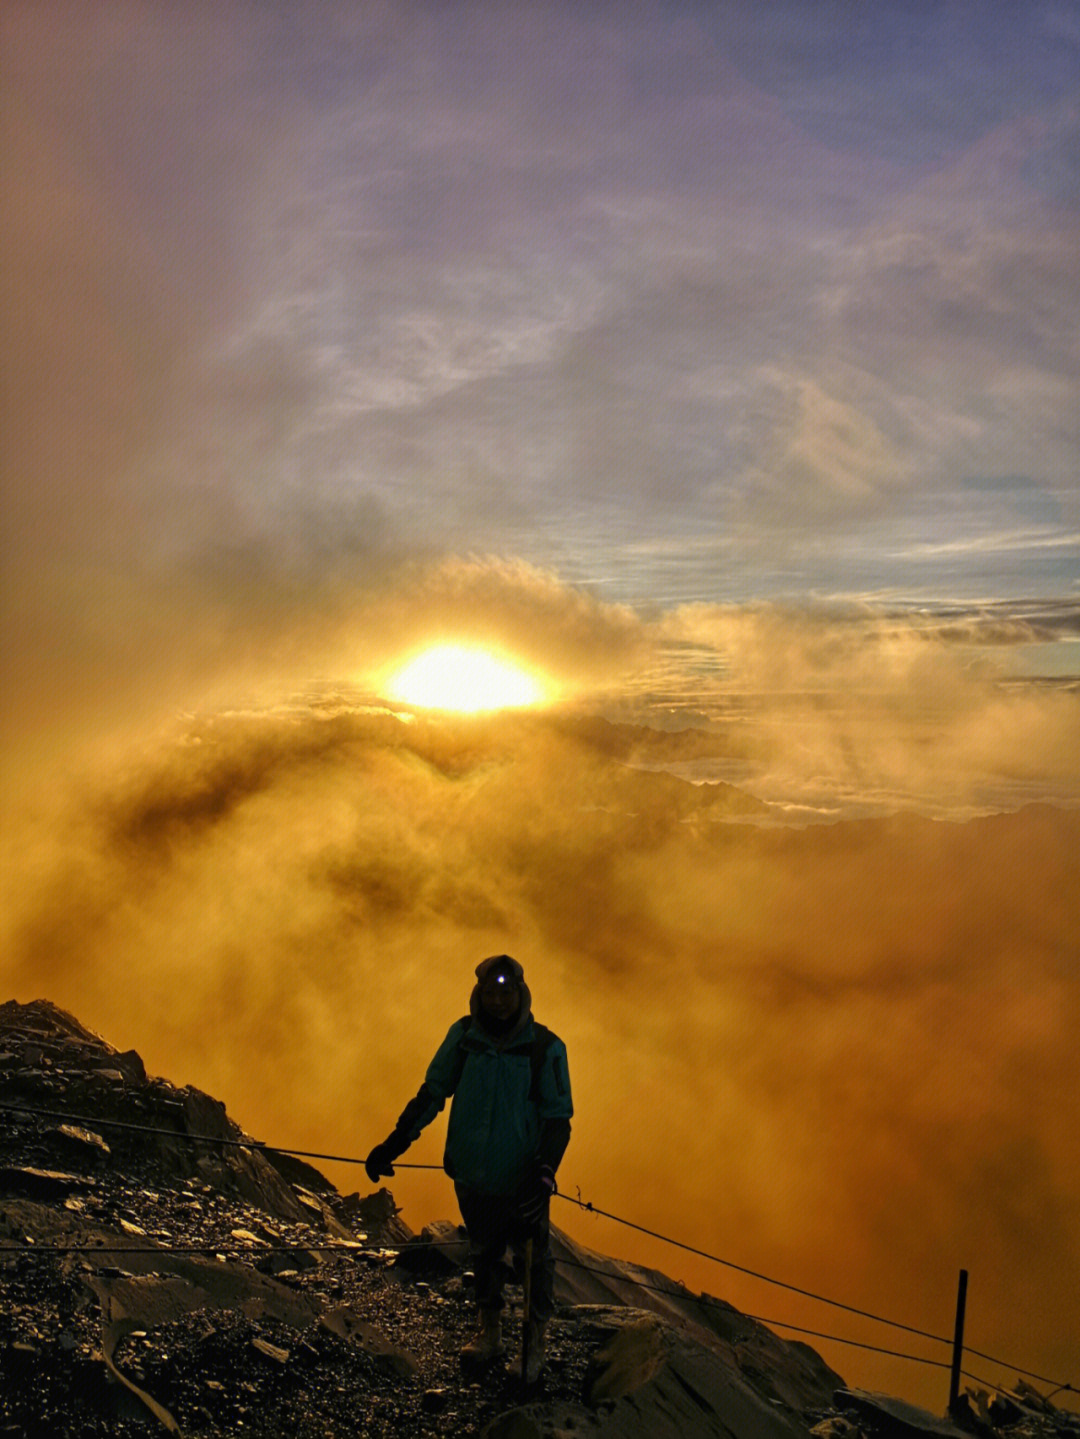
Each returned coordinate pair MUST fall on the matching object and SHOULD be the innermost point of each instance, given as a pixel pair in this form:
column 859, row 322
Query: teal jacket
column 497, row 1130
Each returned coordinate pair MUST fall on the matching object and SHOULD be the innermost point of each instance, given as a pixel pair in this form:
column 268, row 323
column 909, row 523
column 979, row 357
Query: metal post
column 958, row 1343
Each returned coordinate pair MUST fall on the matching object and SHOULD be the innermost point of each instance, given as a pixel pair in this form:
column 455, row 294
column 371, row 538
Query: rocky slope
column 152, row 1283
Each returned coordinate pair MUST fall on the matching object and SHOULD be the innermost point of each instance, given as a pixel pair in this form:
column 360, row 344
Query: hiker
column 509, row 1128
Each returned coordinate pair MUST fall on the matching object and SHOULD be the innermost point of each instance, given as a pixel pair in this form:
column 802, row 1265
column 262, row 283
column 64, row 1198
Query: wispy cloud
column 1008, row 540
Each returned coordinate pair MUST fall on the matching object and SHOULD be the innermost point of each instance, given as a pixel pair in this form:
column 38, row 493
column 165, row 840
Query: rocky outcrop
column 888, row 1416
column 47, row 1055
column 654, row 1379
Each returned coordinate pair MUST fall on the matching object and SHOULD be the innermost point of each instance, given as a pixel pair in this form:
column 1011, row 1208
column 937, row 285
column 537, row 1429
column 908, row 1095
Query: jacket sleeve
column 555, row 1101
column 554, row 1137
column 441, row 1080
column 556, row 1106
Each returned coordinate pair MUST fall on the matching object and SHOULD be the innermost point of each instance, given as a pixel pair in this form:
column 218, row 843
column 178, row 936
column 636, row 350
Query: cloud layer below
column 851, row 1046
column 856, row 1038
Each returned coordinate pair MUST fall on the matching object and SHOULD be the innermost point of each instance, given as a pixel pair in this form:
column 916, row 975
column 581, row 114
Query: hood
column 500, row 961
column 483, row 969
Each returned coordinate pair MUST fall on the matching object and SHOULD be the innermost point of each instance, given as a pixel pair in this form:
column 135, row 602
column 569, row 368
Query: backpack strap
column 459, row 1061
column 541, row 1044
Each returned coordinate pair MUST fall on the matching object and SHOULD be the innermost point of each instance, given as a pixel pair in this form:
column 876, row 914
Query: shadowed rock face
column 791, row 1376
column 660, row 1381
column 46, row 1055
column 149, row 1279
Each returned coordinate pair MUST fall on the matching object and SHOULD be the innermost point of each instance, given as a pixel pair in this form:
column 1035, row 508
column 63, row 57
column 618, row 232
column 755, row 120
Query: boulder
column 653, row 1381
column 894, row 1418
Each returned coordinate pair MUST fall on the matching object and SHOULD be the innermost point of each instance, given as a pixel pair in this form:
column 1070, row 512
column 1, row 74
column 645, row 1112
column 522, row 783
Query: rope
column 194, row 1138
column 706, row 1302
column 809, row 1294
column 754, row 1274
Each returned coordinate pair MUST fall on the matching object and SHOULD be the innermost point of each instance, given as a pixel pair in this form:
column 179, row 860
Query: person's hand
column 380, row 1162
column 536, row 1193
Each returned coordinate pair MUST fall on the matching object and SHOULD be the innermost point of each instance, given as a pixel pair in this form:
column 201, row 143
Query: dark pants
column 493, row 1224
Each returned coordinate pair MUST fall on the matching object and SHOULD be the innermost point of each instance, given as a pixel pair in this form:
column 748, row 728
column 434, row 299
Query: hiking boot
column 486, row 1344
column 535, row 1361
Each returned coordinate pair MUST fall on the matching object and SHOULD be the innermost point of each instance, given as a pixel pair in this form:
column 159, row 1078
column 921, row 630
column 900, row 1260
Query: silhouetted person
column 509, row 1128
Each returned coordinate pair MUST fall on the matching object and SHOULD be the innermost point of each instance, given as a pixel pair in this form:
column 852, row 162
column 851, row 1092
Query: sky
column 715, row 362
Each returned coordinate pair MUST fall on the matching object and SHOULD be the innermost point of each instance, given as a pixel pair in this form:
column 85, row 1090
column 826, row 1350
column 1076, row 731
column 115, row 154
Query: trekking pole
column 526, row 1312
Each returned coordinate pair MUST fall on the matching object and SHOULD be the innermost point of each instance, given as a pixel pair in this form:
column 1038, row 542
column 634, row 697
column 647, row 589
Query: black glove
column 380, row 1161
column 535, row 1193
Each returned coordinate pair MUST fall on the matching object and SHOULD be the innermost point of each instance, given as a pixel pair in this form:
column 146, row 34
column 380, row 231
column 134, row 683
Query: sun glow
column 452, row 677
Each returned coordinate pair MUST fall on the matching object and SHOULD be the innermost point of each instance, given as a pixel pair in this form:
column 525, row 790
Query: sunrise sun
column 453, row 677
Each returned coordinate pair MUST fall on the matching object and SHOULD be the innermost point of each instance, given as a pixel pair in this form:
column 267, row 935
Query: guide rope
column 194, row 1138
column 754, row 1274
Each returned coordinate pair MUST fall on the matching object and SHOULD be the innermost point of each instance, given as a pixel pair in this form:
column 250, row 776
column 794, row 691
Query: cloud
column 581, row 641
column 851, row 705
column 874, row 84
column 1005, row 624
column 829, row 460
column 1009, row 540
column 310, row 297
column 854, row 1039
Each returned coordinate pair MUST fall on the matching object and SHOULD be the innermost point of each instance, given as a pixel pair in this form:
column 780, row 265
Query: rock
column 893, row 1417
column 84, row 1138
column 279, row 1356
column 451, row 1241
column 1003, row 1411
column 790, row 1373
column 514, row 1424
column 48, row 1020
column 390, row 1358
column 835, row 1427
column 435, row 1401
column 652, row 1379
column 131, row 1066
column 287, row 1263
column 298, row 1172
column 632, row 1357
column 1025, row 1394
column 373, row 1209
column 40, row 1183
column 421, row 1256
